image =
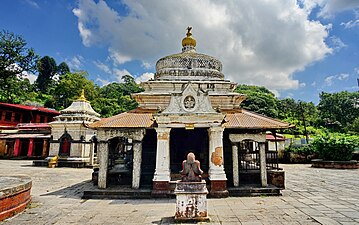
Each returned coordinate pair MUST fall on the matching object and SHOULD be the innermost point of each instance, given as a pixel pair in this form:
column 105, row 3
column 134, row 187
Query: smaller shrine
column 191, row 192
column 73, row 141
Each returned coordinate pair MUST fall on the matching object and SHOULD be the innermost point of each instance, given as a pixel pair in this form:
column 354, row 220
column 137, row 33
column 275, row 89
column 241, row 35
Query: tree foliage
column 47, row 69
column 15, row 59
column 339, row 110
column 259, row 99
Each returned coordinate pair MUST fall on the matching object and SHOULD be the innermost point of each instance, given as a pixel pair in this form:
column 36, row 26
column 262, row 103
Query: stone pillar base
column 191, row 201
column 219, row 189
column 160, row 189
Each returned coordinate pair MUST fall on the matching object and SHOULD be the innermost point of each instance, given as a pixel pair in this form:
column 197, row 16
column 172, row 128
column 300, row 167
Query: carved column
column 216, row 173
column 103, row 161
column 235, row 164
column 263, row 165
column 162, row 173
column 137, row 160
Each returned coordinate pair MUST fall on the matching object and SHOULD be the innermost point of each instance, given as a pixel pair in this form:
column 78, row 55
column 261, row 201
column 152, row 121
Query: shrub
column 337, row 147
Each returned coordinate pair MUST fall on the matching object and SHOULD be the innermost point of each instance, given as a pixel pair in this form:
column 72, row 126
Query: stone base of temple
column 160, row 189
column 191, row 201
column 218, row 189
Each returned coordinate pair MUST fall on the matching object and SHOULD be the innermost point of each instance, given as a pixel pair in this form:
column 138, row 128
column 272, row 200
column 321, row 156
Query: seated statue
column 191, row 169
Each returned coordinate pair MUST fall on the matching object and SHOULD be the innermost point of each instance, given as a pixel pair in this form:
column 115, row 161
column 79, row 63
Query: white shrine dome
column 189, row 65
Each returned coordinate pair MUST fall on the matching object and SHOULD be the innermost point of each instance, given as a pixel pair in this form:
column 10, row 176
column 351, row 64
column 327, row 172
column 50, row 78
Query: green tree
column 338, row 110
column 115, row 98
column 69, row 89
column 63, row 69
column 259, row 100
column 15, row 59
column 47, row 69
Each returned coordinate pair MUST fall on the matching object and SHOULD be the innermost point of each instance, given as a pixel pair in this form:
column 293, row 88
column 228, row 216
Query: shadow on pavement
column 73, row 191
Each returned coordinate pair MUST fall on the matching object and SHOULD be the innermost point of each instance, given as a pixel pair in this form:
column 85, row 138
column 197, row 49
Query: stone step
column 117, row 194
column 254, row 190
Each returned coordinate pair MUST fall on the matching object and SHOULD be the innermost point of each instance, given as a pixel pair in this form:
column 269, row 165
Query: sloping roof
column 249, row 120
column 14, row 136
column 33, row 126
column 278, row 137
column 132, row 119
column 30, row 108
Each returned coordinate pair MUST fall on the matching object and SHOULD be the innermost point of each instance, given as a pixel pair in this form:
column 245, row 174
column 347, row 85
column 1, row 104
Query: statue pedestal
column 191, row 201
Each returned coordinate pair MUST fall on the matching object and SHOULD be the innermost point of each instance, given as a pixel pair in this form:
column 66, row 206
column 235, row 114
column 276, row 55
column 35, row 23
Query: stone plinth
column 14, row 195
column 191, row 201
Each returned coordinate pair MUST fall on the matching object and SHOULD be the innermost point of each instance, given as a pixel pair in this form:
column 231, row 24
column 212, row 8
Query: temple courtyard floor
column 312, row 196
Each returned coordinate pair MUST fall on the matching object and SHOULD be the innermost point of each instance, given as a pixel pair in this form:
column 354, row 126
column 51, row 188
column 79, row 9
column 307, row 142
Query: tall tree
column 63, row 68
column 47, row 69
column 15, row 59
column 339, row 110
column 69, row 89
column 259, row 99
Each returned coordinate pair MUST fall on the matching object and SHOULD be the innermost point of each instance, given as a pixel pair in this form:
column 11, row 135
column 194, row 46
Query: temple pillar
column 31, row 147
column 216, row 173
column 137, row 160
column 162, row 173
column 103, row 161
column 235, row 164
column 44, row 148
column 263, row 164
column 17, row 147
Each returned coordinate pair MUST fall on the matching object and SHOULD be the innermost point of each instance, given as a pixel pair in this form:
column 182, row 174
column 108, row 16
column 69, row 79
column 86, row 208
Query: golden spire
column 189, row 40
column 82, row 98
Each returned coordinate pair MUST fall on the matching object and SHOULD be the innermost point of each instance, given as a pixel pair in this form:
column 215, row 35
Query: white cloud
column 118, row 58
column 302, row 85
column 120, row 73
column 337, row 43
column 144, row 77
column 328, row 81
column 259, row 42
column 146, row 65
column 102, row 66
column 76, row 62
column 350, row 24
column 327, row 8
column 356, row 70
column 103, row 82
column 313, row 83
column 32, row 77
column 32, row 4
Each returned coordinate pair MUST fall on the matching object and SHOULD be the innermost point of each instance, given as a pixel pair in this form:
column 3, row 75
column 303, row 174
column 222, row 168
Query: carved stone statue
column 191, row 169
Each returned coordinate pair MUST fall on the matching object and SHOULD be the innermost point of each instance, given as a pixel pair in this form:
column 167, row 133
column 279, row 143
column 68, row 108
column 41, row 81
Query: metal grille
column 248, row 157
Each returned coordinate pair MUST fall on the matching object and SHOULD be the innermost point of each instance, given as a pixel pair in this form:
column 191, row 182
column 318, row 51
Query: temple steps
column 254, row 190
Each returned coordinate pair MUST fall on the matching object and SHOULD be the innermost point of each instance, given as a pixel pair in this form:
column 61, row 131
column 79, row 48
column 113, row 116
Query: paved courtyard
column 312, row 196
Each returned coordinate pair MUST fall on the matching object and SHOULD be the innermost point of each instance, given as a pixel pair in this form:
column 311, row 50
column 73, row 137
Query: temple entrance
column 183, row 141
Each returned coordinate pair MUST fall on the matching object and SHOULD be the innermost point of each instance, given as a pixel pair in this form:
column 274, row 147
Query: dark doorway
column 183, row 141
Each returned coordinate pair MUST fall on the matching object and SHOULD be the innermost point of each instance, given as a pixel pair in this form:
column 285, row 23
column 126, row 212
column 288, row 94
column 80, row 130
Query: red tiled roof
column 270, row 137
column 131, row 119
column 13, row 136
column 249, row 120
column 30, row 108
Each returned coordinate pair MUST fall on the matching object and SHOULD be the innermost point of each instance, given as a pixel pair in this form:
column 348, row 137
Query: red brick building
column 24, row 130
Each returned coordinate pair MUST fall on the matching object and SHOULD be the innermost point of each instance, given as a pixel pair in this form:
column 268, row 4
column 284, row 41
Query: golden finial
column 189, row 40
column 82, row 97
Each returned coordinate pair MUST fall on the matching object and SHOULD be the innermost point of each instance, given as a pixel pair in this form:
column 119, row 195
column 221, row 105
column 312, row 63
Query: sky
column 295, row 48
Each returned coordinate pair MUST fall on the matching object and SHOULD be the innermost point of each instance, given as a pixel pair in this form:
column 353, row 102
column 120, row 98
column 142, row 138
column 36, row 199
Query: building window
column 42, row 119
column 0, row 115
column 26, row 118
column 8, row 116
column 17, row 117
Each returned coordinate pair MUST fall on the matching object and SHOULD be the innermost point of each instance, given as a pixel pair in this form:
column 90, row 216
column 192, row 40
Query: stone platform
column 14, row 195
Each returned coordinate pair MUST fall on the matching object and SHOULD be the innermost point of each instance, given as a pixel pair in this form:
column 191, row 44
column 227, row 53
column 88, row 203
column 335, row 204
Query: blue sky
column 294, row 48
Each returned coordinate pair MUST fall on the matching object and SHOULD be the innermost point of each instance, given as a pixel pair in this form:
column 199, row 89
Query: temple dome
column 189, row 65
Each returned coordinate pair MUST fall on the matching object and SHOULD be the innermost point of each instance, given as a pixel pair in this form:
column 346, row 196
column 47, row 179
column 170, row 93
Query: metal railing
column 249, row 160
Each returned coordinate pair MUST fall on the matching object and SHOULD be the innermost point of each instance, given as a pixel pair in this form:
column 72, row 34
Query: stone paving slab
column 313, row 196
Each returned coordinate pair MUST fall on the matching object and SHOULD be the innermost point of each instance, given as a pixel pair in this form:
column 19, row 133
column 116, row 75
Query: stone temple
column 188, row 107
